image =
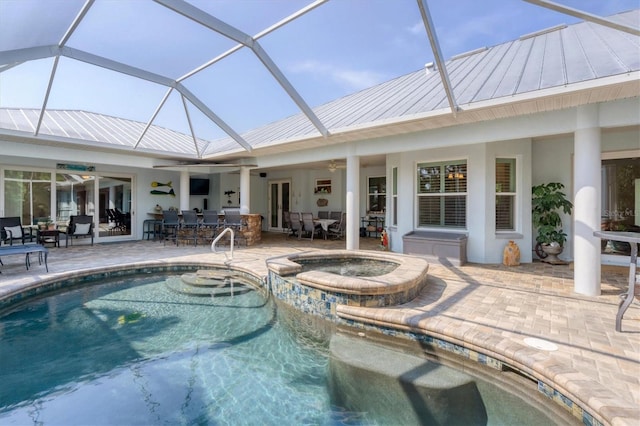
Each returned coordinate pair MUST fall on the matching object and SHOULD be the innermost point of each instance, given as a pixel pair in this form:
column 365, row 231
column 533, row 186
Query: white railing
column 220, row 235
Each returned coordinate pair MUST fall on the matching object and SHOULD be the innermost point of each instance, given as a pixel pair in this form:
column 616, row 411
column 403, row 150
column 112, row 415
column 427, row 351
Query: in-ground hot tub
column 316, row 282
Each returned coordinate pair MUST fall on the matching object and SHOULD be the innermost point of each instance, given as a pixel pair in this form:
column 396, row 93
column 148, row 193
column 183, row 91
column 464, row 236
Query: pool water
column 350, row 267
column 137, row 351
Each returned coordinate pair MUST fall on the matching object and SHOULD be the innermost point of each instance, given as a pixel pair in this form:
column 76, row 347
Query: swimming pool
column 140, row 351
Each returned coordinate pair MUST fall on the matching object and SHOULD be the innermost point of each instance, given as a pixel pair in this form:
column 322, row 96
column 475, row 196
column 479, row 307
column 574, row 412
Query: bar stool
column 151, row 228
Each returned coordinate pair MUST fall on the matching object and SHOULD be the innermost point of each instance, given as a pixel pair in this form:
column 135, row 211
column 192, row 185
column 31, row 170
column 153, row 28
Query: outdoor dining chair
column 338, row 229
column 296, row 224
column 309, row 226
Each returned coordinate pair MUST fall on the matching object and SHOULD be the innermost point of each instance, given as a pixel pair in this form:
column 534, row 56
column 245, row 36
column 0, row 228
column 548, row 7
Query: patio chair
column 309, row 226
column 335, row 215
column 116, row 221
column 80, row 226
column 11, row 230
column 189, row 226
column 123, row 220
column 338, row 229
column 170, row 225
column 286, row 224
column 323, row 214
column 296, row 224
column 233, row 219
column 210, row 222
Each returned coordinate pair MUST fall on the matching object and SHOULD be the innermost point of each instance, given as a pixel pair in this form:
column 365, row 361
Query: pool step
column 220, row 285
column 401, row 388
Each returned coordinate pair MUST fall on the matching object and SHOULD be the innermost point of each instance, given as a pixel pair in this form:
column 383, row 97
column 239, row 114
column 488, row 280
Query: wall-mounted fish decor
column 155, row 184
column 156, row 192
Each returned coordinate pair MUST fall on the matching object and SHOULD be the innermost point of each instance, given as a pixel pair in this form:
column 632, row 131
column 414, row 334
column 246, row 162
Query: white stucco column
column 245, row 190
column 184, row 190
column 587, row 205
column 353, row 199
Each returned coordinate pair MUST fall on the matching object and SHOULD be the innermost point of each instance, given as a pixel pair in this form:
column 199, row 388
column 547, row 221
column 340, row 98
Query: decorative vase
column 158, row 208
column 552, row 251
column 511, row 254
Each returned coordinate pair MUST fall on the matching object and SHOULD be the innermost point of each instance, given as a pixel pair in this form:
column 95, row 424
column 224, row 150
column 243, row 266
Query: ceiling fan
column 333, row 166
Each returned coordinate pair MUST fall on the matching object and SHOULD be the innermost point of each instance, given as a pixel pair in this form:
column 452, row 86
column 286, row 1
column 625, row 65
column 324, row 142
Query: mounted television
column 198, row 186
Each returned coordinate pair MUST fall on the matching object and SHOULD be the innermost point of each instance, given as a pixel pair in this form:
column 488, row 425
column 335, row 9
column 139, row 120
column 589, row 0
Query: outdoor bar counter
column 251, row 232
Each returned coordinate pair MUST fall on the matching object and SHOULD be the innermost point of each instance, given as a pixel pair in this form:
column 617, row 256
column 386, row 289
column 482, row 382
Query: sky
column 339, row 48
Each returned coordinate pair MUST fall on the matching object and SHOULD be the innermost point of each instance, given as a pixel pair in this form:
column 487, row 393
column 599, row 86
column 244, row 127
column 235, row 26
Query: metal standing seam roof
column 572, row 54
column 569, row 55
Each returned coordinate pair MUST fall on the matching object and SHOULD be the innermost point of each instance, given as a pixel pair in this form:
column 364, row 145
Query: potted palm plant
column 548, row 200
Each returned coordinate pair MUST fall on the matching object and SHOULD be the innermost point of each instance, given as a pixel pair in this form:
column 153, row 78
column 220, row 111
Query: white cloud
column 348, row 78
column 417, row 28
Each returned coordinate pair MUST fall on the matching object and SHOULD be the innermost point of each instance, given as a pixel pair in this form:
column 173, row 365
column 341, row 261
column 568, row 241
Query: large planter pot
column 552, row 251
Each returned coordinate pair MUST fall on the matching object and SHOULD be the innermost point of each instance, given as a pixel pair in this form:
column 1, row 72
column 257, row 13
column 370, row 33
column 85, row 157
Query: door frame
column 280, row 204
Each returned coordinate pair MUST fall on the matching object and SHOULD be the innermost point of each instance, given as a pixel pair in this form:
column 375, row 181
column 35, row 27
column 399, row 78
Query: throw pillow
column 82, row 228
column 16, row 231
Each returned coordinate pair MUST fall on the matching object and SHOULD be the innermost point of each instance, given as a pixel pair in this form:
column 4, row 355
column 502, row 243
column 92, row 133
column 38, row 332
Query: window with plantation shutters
column 442, row 194
column 505, row 194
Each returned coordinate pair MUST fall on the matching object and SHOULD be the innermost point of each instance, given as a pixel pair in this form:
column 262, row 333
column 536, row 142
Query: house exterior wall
column 542, row 143
column 552, row 161
column 484, row 245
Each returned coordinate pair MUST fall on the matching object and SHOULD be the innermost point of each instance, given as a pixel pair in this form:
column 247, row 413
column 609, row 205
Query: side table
column 49, row 236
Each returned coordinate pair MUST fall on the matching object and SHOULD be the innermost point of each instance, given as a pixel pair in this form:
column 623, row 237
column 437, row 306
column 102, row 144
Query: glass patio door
column 114, row 207
column 279, row 202
column 620, row 177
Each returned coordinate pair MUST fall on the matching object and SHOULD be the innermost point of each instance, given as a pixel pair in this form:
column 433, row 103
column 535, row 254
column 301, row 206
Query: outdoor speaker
column 263, row 174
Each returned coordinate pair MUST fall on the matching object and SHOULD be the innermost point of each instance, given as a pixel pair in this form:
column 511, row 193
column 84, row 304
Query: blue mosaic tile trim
column 323, row 303
column 560, row 399
column 306, row 299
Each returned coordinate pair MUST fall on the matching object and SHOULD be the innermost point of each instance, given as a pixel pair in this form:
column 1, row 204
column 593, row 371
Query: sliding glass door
column 620, row 179
column 45, row 196
column 115, row 209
